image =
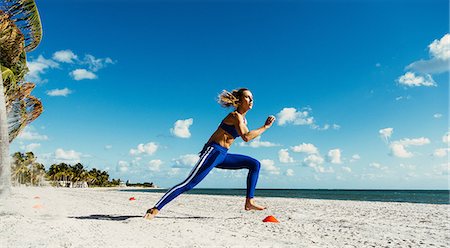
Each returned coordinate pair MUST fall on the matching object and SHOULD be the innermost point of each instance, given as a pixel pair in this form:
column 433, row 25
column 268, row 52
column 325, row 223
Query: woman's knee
column 255, row 165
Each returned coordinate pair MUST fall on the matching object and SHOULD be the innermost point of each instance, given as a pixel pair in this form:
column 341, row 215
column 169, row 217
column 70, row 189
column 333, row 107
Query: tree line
column 25, row 170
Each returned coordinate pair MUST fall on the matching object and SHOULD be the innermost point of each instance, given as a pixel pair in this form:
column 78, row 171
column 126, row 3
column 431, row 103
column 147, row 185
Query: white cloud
column 440, row 49
column 29, row 133
column 402, row 98
column 255, row 143
column 181, row 128
column 355, row 157
column 414, row 142
column 386, row 133
column 378, row 166
column 314, row 161
column 96, row 64
column 122, row 166
column 446, row 138
column 336, row 127
column 108, row 147
column 398, row 148
column 148, row 148
column 80, row 74
column 444, row 169
column 375, row 165
column 269, row 166
column 68, row 156
column 408, row 166
column 305, row 148
column 325, row 127
column 429, row 66
column 59, row 92
column 440, row 170
column 136, row 161
column 41, row 65
column 437, row 115
column 38, row 67
column 346, row 169
column 316, row 127
column 173, row 172
column 289, row 172
column 440, row 57
column 371, row 176
column 283, row 156
column 30, row 147
column 291, row 115
column 301, row 117
column 322, row 169
column 65, row 56
column 441, row 152
column 155, row 165
column 188, row 160
column 410, row 79
column 334, row 156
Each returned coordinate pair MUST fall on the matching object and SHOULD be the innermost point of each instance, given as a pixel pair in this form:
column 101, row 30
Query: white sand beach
column 64, row 217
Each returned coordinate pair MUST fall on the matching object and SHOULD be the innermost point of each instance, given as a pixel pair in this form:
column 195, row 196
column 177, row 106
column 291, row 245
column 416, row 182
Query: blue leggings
column 214, row 155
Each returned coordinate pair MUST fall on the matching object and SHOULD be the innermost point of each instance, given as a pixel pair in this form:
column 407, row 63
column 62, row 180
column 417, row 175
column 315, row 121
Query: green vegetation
column 25, row 170
column 145, row 184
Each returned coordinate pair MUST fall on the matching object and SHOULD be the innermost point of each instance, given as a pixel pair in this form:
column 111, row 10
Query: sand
column 95, row 217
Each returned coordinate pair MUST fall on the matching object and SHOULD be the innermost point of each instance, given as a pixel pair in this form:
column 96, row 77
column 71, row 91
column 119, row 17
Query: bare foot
column 251, row 205
column 151, row 213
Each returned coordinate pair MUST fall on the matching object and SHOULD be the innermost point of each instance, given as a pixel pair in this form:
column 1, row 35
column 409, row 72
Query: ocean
column 412, row 196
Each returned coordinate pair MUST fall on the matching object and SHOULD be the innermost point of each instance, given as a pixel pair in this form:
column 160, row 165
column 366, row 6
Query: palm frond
column 11, row 41
column 22, row 109
column 26, row 16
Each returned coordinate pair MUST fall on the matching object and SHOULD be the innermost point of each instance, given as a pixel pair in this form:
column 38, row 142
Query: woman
column 215, row 152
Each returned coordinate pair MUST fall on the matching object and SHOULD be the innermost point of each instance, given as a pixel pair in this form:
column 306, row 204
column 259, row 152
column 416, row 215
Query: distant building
column 70, row 184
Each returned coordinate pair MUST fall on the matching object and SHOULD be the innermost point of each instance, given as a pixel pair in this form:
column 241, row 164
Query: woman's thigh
column 237, row 161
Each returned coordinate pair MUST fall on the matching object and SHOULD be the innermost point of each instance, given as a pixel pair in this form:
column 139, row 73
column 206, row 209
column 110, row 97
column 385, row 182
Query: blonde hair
column 230, row 99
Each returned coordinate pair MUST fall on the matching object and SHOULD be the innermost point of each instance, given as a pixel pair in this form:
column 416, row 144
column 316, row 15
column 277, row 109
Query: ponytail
column 230, row 99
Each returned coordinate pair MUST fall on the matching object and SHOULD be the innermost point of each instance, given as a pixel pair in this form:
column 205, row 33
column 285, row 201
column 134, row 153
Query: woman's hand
column 269, row 121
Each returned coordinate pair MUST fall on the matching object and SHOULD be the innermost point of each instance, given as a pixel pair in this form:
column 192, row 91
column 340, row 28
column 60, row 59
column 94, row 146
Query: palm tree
column 19, row 170
column 94, row 177
column 20, row 32
column 38, row 173
column 59, row 172
column 25, row 169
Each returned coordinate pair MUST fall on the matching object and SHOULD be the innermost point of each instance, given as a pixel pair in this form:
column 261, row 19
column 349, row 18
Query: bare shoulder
column 237, row 117
column 233, row 118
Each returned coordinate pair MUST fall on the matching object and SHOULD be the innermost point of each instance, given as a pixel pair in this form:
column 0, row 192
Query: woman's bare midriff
column 222, row 138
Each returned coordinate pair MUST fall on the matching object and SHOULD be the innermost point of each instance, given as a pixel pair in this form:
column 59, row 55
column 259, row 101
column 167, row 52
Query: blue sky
column 360, row 89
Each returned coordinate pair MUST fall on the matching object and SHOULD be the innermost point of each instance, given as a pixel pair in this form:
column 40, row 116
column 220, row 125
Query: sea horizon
column 381, row 195
column 299, row 188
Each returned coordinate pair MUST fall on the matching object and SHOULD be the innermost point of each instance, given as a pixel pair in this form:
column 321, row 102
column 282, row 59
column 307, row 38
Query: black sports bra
column 230, row 128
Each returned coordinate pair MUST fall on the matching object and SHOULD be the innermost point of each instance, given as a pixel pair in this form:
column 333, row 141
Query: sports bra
column 230, row 129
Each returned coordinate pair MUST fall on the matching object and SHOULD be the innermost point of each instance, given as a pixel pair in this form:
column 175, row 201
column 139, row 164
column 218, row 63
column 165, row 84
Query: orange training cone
column 270, row 218
column 37, row 206
column 132, row 198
